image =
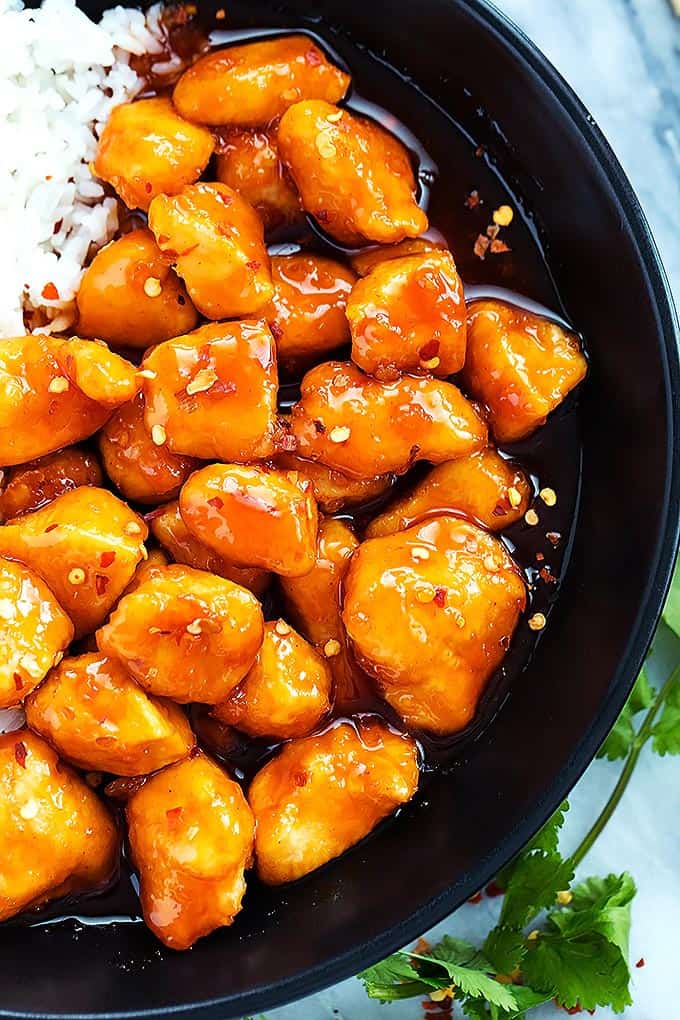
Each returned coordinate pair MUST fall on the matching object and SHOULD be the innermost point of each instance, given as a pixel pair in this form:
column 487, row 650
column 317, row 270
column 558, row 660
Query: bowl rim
column 364, row 954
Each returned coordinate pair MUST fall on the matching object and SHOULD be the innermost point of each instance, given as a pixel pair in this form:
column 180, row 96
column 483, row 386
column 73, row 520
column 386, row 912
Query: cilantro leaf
column 394, row 978
column 666, row 731
column 525, row 998
column 547, row 838
column 671, row 612
column 620, row 739
column 533, row 886
column 468, row 970
column 505, row 947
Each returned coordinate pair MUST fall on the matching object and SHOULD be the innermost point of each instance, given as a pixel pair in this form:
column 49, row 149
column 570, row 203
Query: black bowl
column 478, row 813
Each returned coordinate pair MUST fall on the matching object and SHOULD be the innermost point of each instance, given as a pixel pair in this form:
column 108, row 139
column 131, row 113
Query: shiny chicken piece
column 141, row 470
column 314, row 603
column 213, row 392
column 430, row 612
column 257, row 517
column 97, row 717
column 57, row 837
column 215, row 241
column 331, row 489
column 31, row 486
column 520, row 365
column 55, row 392
column 34, row 632
column 408, row 315
column 363, row 427
column 307, row 313
column 253, row 84
column 324, row 793
column 147, row 149
column 85, row 545
column 248, row 161
column 363, row 262
column 484, row 487
column 191, row 837
column 155, row 559
column 171, row 532
column 287, row 691
column 185, row 634
column 130, row 297
column 354, row 177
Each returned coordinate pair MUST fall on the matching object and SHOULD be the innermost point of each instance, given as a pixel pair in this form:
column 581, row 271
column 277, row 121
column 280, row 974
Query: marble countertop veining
column 622, row 57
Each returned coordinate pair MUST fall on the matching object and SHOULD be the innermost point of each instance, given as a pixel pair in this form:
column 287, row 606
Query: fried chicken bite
column 191, row 836
column 171, row 532
column 252, row 84
column 130, row 297
column 31, row 486
column 214, row 239
column 354, row 177
column 362, row 262
column 213, row 392
column 331, row 489
column 430, row 612
column 55, row 392
column 408, row 315
column 85, row 545
column 484, row 487
column 286, row 692
column 98, row 718
column 307, row 312
column 143, row 471
column 322, row 794
column 185, row 634
column 520, row 365
column 147, row 149
column 254, row 516
column 57, row 836
column 363, row 427
column 248, row 161
column 34, row 632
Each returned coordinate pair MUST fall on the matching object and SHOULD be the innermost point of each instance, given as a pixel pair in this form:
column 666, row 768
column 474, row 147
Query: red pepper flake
column 20, row 753
column 540, row 557
column 500, row 509
column 313, row 58
column 148, row 187
column 106, row 559
column 473, row 199
column 101, row 583
column 319, row 426
column 50, row 292
column 480, row 246
column 57, row 226
column 300, row 778
column 173, row 814
column 572, row 1010
column 479, row 151
column 492, row 231
column 276, row 330
column 440, row 597
column 182, row 254
column 553, row 537
column 477, row 898
column 640, row 963
column 195, row 751
column 254, row 265
column 429, row 350
column 288, row 443
column 422, row 946
column 163, row 239
column 546, row 575
column 499, row 247
column 493, row 889
column 50, row 527
column 18, row 682
column 153, row 514
column 216, row 502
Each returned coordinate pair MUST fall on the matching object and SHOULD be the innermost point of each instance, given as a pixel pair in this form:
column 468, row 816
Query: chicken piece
column 248, row 161
column 213, row 392
column 85, row 545
column 486, row 488
column 307, row 313
column 34, row 632
column 430, row 612
column 408, row 315
column 314, row 604
column 324, row 793
column 149, row 567
column 171, row 532
column 147, row 149
column 256, row 517
column 354, row 177
column 331, row 489
column 140, row 469
column 363, row 427
column 185, row 634
column 130, row 297
column 191, row 836
column 520, row 365
column 31, row 486
column 363, row 262
column 215, row 241
column 57, row 837
column 287, row 691
column 96, row 716
column 55, row 392
column 252, row 84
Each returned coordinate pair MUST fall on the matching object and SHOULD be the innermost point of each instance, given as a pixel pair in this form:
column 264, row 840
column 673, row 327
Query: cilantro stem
column 641, row 738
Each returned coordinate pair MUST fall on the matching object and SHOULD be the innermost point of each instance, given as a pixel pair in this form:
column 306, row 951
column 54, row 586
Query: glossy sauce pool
column 451, row 165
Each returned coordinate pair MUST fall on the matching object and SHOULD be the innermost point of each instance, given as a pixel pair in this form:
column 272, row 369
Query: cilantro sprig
column 554, row 939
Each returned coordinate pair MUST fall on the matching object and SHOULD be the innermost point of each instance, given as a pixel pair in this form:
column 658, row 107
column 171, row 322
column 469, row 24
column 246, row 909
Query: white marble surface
column 622, row 57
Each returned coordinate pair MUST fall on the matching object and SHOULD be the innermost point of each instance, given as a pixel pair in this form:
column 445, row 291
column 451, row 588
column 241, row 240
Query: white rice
column 57, row 69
